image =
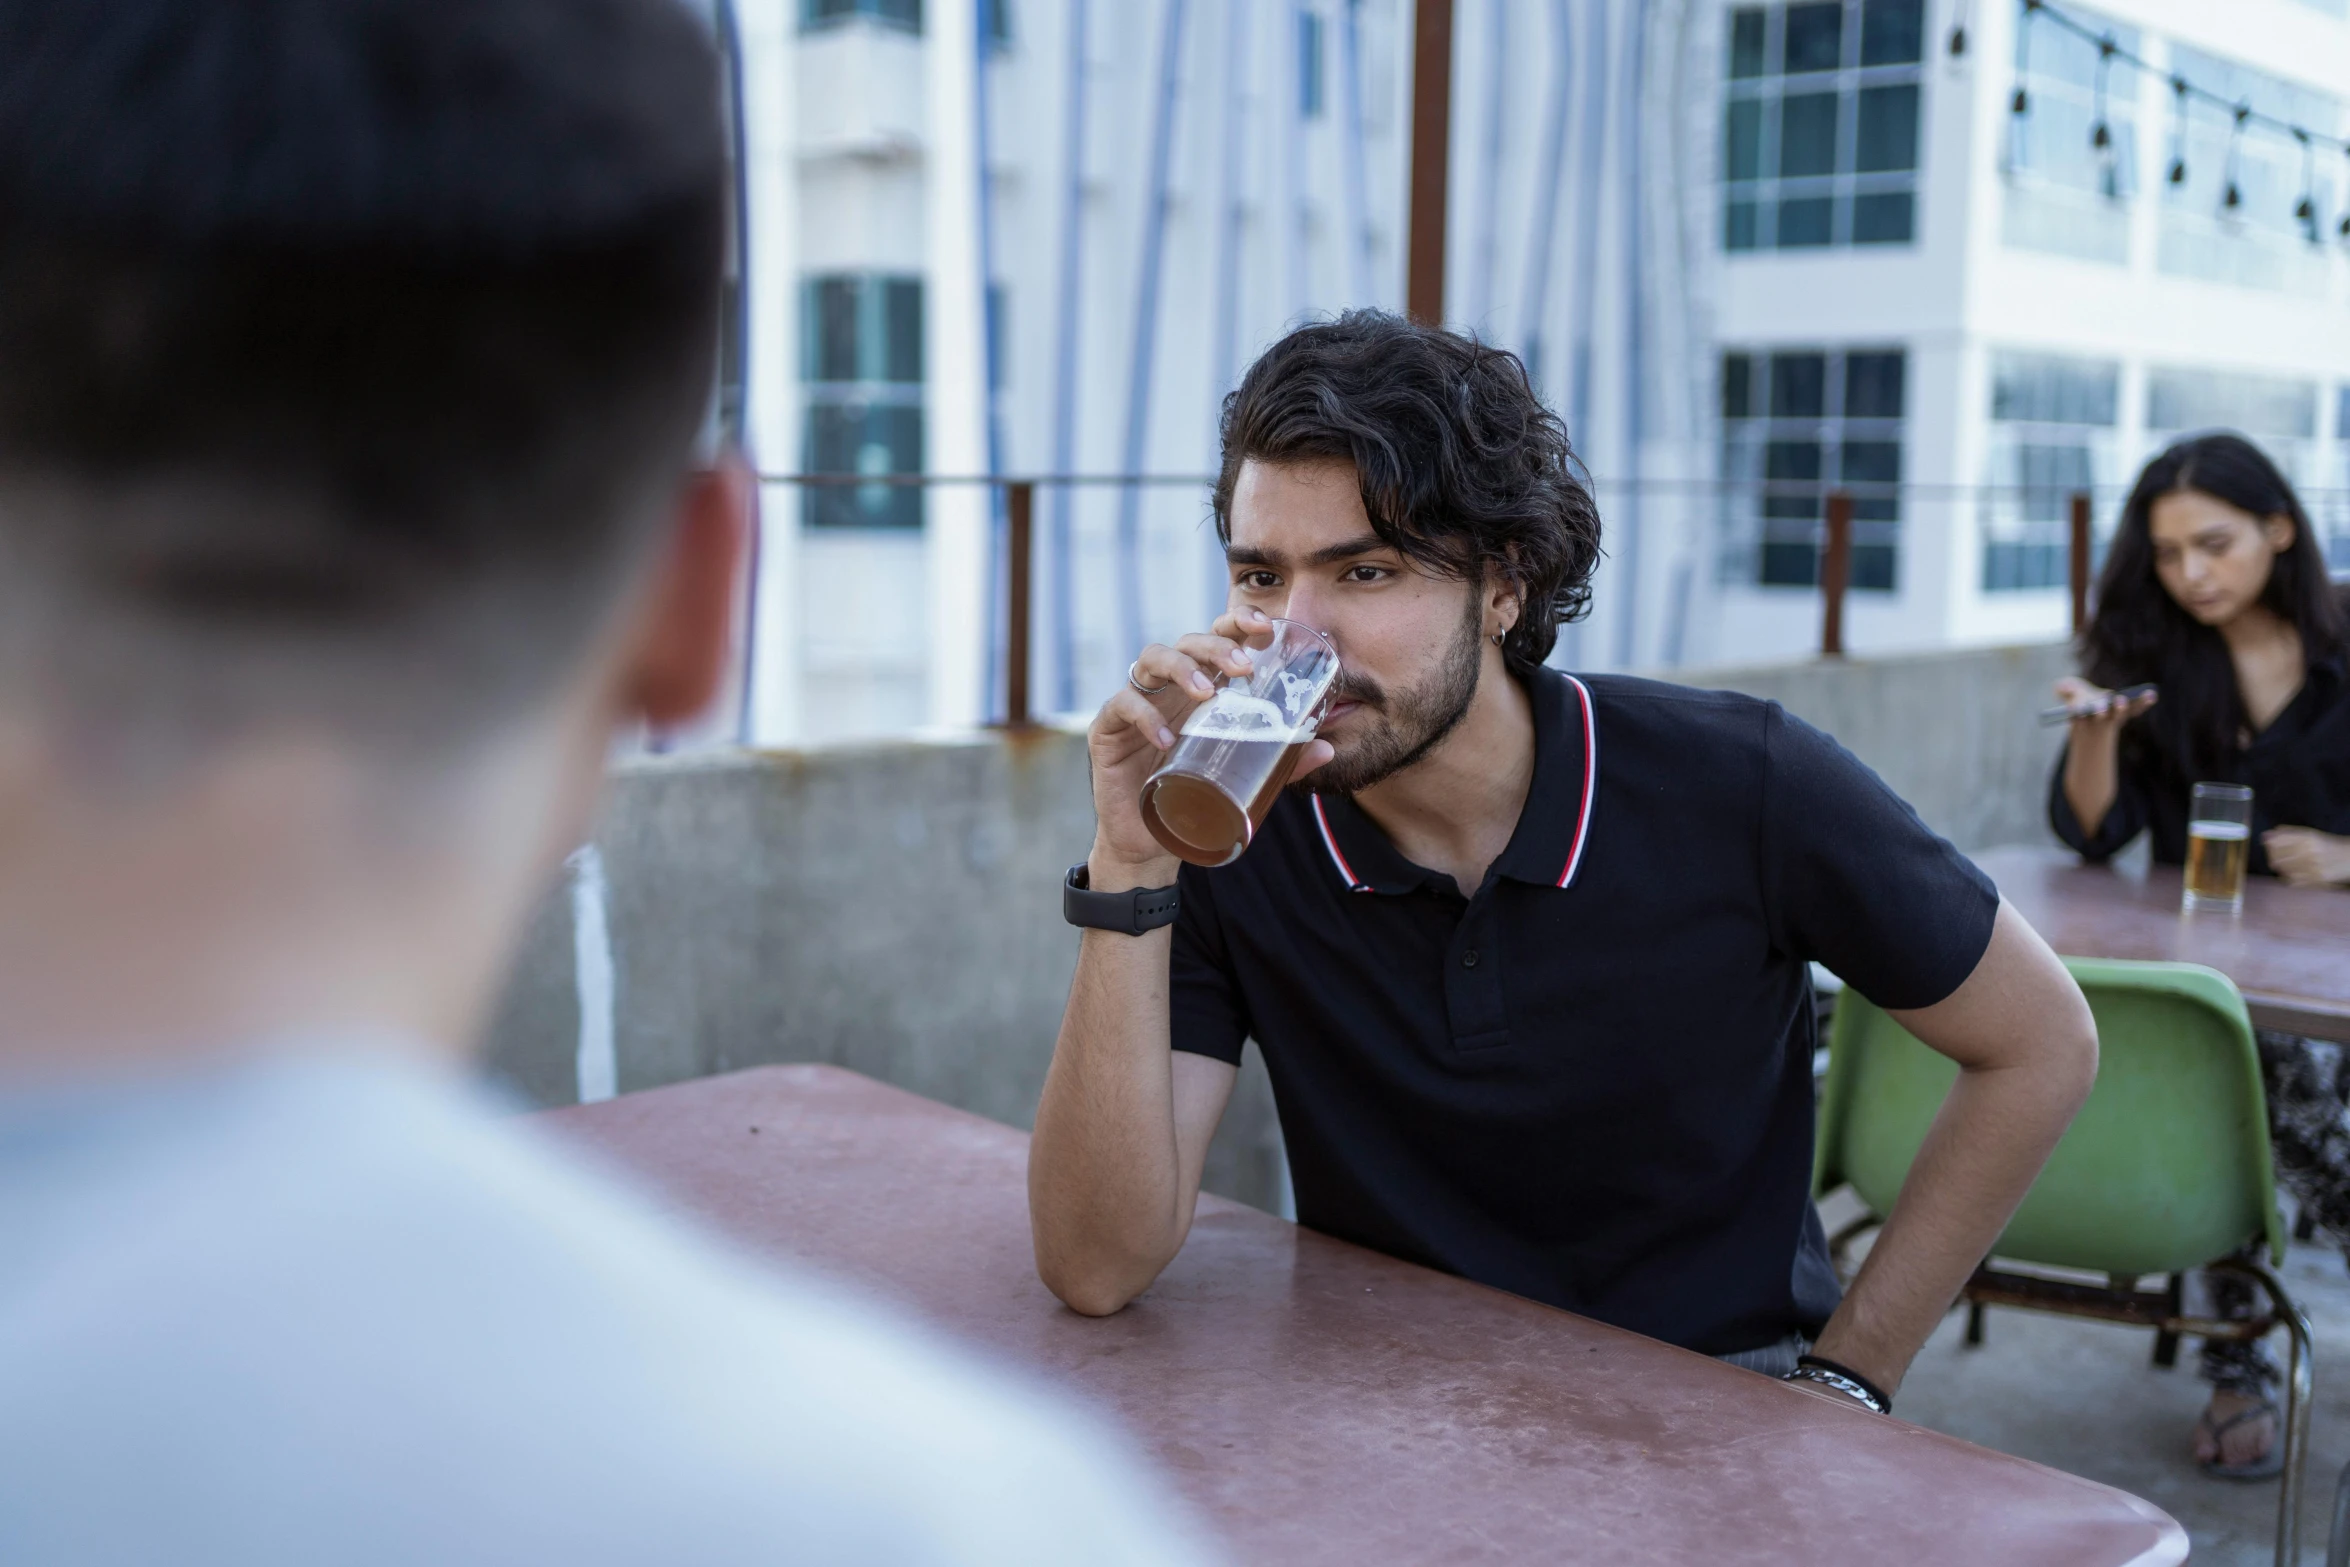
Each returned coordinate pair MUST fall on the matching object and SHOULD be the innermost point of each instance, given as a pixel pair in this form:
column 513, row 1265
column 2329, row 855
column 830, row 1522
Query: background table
column 2289, row 951
column 1322, row 1403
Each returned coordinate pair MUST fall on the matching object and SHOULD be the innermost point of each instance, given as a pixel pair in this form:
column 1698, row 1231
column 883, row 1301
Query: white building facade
column 1751, row 252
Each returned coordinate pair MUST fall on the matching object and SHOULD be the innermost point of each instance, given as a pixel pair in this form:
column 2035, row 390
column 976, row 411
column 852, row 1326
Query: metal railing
column 1017, row 606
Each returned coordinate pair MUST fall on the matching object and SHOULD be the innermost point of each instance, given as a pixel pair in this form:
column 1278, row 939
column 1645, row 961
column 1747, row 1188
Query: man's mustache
column 1360, row 688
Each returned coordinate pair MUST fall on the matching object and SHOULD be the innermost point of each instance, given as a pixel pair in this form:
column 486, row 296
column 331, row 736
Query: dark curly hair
column 2140, row 633
column 1461, row 466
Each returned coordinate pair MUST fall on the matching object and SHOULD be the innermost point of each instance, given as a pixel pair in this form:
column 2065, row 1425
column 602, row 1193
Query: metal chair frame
column 2123, row 1301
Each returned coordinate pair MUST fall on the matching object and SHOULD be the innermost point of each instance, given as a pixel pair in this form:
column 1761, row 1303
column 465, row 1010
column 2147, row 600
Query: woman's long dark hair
column 2141, row 633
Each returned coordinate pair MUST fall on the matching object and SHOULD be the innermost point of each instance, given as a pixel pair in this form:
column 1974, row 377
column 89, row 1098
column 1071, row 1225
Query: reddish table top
column 1322, row 1403
column 2289, row 951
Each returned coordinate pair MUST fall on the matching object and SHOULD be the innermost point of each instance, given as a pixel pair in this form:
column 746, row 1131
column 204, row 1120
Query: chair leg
column 2300, row 1386
column 2338, row 1539
column 1974, row 1324
column 2166, row 1344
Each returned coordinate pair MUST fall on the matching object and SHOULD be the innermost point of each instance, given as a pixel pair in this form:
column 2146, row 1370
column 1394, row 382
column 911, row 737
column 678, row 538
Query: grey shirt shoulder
column 343, row 1312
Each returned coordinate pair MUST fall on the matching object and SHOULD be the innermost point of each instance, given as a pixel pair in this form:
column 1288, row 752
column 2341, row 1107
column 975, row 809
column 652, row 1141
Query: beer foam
column 2219, row 832
column 1235, row 715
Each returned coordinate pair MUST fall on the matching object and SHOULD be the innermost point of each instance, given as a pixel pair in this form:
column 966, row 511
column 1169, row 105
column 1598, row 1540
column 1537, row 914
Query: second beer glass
column 1239, row 748
column 2219, row 847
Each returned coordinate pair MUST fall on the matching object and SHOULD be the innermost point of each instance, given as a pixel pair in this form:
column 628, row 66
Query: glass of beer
column 2219, row 846
column 1238, row 749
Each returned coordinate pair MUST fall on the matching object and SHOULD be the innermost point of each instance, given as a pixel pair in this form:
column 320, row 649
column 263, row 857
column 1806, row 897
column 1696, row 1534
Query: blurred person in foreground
column 2216, row 593
column 1526, row 953
column 352, row 355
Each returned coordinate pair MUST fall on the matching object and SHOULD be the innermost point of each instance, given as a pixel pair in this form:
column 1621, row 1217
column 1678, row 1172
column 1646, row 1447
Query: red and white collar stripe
column 1574, row 863
column 1590, row 783
column 1354, row 883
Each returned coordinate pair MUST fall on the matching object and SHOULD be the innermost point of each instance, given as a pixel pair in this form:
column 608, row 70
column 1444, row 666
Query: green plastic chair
column 2165, row 1170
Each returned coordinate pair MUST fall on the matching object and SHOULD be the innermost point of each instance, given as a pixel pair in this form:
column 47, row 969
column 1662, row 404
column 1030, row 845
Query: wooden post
column 2080, row 560
column 1835, row 573
column 1020, row 509
column 1431, row 159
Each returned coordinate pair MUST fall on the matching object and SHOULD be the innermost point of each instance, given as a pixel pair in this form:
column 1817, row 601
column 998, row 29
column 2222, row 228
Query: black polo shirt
column 1589, row 1082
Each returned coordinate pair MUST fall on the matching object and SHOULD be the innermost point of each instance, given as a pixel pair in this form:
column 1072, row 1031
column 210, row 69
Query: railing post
column 1020, row 510
column 2080, row 560
column 1835, row 573
column 1431, row 160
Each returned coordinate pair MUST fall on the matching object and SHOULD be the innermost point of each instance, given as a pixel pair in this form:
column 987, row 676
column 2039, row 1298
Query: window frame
column 882, row 391
column 1754, row 209
column 1766, row 522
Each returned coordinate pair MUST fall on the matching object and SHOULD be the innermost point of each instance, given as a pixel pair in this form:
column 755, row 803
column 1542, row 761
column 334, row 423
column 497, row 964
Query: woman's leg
column 2308, row 1127
column 2240, row 1372
column 2309, row 1134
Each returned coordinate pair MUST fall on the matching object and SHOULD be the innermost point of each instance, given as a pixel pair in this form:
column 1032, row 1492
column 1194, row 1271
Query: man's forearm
column 1986, row 1147
column 1105, row 1175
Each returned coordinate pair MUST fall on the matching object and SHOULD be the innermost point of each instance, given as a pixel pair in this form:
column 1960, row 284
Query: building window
column 815, row 14
column 1797, row 424
column 2278, row 413
column 1821, row 124
column 1309, row 64
column 2052, row 437
column 861, row 361
column 2067, row 195
column 2260, row 241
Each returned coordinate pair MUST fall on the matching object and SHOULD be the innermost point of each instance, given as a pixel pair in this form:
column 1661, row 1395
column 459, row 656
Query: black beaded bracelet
column 1877, row 1395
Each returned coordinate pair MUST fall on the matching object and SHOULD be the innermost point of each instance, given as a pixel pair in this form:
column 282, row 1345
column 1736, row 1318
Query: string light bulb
column 2234, row 195
column 2306, row 211
column 2101, row 134
column 2022, row 102
column 2178, row 162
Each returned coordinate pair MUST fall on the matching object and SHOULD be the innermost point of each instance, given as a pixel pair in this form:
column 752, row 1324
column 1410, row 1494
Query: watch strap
column 1130, row 913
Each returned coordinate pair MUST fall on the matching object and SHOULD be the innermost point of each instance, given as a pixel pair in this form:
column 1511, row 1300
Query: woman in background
column 2215, row 592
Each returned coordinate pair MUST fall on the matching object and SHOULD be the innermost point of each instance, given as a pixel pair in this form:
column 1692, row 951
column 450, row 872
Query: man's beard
column 1408, row 726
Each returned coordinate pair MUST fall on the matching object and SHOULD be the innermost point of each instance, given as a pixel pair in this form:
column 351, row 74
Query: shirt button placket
column 1473, row 989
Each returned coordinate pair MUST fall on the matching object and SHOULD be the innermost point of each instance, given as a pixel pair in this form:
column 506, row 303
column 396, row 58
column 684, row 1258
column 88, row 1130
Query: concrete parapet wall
column 895, row 907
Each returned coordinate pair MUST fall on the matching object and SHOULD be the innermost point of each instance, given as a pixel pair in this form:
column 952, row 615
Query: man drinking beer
column 1526, row 952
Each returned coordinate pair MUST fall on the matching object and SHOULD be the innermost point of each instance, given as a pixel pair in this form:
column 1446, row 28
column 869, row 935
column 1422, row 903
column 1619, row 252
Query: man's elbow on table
column 1093, row 1262
column 1091, row 1285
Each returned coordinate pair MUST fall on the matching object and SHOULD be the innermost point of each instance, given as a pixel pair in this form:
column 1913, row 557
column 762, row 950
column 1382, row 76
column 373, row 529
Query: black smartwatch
column 1128, row 913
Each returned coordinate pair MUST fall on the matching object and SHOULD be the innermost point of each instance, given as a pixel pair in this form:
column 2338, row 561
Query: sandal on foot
column 2266, row 1466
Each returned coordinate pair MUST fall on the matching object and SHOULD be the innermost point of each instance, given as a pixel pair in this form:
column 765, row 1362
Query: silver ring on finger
column 1134, row 679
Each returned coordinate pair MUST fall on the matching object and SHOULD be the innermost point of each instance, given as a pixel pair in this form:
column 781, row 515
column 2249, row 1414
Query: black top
column 1590, row 1083
column 2298, row 767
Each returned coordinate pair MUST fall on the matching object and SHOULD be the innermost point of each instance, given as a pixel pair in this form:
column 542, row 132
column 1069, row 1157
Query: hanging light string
column 2244, row 114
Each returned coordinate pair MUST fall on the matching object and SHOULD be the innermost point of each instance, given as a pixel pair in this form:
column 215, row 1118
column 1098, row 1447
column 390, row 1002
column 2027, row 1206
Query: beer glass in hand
column 2219, row 847
column 1240, row 748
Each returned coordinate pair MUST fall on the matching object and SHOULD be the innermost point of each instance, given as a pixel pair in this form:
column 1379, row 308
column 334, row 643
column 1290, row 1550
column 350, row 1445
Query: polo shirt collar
column 1554, row 828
